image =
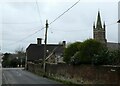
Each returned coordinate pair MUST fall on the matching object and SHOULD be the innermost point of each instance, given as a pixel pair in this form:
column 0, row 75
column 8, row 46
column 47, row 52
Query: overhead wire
column 111, row 24
column 49, row 23
column 19, row 22
column 64, row 12
column 27, row 36
column 71, row 30
column 38, row 10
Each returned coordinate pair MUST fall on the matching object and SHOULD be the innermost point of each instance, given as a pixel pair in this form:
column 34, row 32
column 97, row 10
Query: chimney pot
column 64, row 43
column 39, row 40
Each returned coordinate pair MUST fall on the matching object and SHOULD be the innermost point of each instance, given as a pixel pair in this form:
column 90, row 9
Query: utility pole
column 45, row 46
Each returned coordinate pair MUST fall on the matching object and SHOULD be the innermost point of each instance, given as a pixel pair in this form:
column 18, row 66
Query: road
column 15, row 76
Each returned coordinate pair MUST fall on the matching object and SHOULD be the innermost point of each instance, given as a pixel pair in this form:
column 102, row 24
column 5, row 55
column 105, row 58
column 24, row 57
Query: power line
column 28, row 23
column 111, row 24
column 71, row 30
column 19, row 22
column 65, row 12
column 50, row 22
column 38, row 10
column 27, row 36
column 34, row 32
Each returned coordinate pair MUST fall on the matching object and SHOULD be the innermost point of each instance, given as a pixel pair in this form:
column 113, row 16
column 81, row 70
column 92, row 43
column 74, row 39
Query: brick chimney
column 64, row 43
column 39, row 40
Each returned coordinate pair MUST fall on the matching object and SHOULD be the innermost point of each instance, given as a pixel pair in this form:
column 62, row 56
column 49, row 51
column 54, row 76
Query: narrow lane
column 22, row 77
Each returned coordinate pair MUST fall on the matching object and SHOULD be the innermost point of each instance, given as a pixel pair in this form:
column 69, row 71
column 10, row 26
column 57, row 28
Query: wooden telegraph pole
column 45, row 45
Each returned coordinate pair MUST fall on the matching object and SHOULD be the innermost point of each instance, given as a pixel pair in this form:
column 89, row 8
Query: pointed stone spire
column 98, row 24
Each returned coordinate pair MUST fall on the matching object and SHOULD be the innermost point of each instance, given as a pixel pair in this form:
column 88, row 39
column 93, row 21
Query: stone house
column 35, row 52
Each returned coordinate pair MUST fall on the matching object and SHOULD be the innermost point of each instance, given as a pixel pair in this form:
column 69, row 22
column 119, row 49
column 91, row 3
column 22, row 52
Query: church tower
column 99, row 30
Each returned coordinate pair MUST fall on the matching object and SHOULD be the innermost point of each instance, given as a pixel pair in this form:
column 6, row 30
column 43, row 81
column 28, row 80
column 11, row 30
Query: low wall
column 86, row 74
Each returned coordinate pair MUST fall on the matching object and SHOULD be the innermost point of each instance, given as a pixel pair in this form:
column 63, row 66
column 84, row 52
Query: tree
column 6, row 61
column 114, row 57
column 70, row 51
column 92, row 51
column 13, row 60
column 75, row 60
column 20, row 53
column 88, row 52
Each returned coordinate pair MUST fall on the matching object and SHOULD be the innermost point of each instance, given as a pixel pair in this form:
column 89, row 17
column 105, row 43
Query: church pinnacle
column 99, row 32
column 98, row 24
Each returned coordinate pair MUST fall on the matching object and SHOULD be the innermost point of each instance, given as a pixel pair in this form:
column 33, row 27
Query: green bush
column 114, row 57
column 91, row 52
column 70, row 51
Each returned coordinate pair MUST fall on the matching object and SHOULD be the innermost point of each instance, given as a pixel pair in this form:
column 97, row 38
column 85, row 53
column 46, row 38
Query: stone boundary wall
column 86, row 74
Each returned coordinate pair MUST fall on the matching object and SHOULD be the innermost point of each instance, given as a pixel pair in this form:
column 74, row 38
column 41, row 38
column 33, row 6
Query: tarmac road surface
column 20, row 77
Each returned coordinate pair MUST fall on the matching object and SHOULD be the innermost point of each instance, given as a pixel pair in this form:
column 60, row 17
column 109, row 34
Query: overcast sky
column 21, row 18
column 119, row 23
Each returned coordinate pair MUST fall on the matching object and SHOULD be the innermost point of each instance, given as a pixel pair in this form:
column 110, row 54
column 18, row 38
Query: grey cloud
column 80, row 18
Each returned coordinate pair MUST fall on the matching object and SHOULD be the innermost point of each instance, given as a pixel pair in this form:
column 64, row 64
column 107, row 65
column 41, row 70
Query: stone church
column 99, row 34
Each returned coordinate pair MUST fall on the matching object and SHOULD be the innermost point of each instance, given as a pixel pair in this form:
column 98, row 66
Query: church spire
column 99, row 32
column 98, row 24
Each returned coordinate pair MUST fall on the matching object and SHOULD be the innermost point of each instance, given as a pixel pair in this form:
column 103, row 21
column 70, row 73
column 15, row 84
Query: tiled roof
column 113, row 46
column 36, row 51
